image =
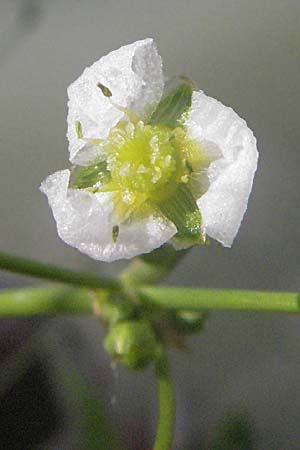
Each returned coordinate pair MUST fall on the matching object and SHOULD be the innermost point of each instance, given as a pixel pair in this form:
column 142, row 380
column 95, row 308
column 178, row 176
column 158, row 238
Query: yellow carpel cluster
column 144, row 162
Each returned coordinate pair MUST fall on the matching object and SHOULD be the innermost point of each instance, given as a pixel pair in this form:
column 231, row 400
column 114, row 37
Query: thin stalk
column 151, row 267
column 167, row 407
column 54, row 273
column 42, row 301
column 221, row 299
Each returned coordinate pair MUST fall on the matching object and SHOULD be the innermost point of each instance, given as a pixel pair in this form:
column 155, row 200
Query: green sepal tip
column 90, row 177
column 170, row 109
column 182, row 210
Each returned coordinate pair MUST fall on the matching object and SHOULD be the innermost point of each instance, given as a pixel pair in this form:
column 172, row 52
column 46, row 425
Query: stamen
column 78, row 129
column 130, row 128
column 142, row 169
column 124, row 170
column 115, row 233
column 167, row 160
column 131, row 116
column 118, row 139
column 111, row 159
column 156, row 177
column 118, row 131
column 154, row 143
column 128, row 197
column 105, row 91
column 92, row 141
column 154, row 157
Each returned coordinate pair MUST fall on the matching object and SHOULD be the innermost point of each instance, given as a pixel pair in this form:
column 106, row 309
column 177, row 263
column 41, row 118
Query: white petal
column 230, row 177
column 85, row 221
column 133, row 74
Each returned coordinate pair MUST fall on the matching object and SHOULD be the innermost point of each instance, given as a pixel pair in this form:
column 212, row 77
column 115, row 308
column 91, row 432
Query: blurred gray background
column 246, row 54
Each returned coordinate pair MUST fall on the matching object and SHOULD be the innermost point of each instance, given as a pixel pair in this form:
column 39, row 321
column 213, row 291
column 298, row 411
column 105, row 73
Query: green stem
column 30, row 302
column 222, row 299
column 51, row 272
column 167, row 407
column 52, row 301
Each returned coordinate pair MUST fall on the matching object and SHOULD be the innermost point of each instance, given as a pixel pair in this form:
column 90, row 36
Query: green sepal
column 170, row 109
column 132, row 343
column 182, row 210
column 90, row 177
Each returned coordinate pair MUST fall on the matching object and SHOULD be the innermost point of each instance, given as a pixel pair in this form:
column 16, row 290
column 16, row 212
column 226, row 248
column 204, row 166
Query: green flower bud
column 113, row 308
column 189, row 322
column 133, row 343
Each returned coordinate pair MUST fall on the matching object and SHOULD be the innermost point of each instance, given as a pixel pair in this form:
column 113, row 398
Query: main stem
column 199, row 299
column 19, row 302
column 167, row 406
column 51, row 272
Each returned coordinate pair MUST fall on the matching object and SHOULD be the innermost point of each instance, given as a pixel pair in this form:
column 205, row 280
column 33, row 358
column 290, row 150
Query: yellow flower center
column 145, row 162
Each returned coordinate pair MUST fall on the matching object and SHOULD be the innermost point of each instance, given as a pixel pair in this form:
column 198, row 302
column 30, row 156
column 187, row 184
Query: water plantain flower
column 151, row 163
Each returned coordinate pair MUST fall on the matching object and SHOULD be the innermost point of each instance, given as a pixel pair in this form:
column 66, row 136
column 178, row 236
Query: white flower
column 108, row 123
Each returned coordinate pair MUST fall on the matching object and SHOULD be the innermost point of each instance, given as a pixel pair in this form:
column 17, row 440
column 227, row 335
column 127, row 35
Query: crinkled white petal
column 85, row 221
column 230, row 177
column 133, row 73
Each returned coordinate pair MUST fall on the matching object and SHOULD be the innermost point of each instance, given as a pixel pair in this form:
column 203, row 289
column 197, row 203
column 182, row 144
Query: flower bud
column 131, row 342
